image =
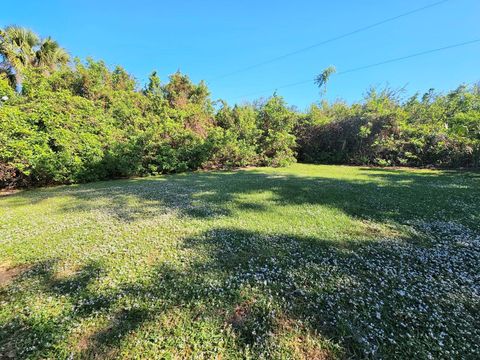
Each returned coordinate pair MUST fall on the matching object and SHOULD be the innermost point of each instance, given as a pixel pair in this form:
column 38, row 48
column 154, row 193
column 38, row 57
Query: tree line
column 68, row 121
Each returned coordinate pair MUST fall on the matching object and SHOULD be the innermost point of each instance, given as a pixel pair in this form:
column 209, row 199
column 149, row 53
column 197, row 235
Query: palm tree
column 322, row 79
column 21, row 48
column 50, row 55
column 17, row 50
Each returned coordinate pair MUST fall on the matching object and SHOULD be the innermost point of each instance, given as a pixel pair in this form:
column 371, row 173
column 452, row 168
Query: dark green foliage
column 85, row 122
column 436, row 130
column 276, row 122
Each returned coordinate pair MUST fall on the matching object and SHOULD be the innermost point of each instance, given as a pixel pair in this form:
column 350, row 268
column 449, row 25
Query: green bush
column 436, row 130
column 85, row 122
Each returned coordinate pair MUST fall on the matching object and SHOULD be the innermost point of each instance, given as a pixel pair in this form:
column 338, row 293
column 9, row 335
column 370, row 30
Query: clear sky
column 209, row 38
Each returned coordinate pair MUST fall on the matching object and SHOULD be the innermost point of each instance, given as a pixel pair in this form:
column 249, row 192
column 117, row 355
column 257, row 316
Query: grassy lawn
column 308, row 261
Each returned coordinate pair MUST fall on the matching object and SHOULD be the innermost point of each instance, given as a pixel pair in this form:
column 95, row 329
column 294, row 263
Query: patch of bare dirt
column 240, row 315
column 6, row 192
column 302, row 342
column 9, row 273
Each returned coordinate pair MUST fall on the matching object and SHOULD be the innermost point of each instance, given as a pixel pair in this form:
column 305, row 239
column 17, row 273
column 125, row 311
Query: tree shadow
column 259, row 288
column 377, row 194
column 392, row 195
column 25, row 332
column 423, row 175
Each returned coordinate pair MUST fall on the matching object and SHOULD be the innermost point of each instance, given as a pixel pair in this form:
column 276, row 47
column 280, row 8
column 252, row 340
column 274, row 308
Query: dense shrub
column 436, row 130
column 84, row 122
column 276, row 123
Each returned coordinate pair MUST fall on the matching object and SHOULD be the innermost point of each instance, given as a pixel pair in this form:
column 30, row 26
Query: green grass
column 300, row 262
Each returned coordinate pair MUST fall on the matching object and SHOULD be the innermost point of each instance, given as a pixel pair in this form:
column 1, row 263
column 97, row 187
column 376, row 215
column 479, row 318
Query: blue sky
column 209, row 38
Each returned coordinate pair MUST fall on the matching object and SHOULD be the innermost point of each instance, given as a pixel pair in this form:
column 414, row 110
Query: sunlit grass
column 299, row 262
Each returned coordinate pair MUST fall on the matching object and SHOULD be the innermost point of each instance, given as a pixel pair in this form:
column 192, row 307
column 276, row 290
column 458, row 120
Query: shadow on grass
column 259, row 291
column 385, row 195
column 377, row 194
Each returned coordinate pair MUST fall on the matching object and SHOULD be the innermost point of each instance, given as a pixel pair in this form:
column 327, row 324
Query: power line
column 338, row 37
column 371, row 65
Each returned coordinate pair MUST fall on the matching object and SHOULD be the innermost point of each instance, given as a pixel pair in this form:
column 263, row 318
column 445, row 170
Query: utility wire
column 338, row 37
column 371, row 65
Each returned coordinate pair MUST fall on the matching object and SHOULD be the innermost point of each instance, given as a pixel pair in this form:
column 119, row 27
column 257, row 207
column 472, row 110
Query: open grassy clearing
column 301, row 262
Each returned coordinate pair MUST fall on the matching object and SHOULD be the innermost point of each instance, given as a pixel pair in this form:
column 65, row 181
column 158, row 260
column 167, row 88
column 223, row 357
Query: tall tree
column 17, row 51
column 50, row 55
column 21, row 48
column 322, row 79
column 154, row 85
